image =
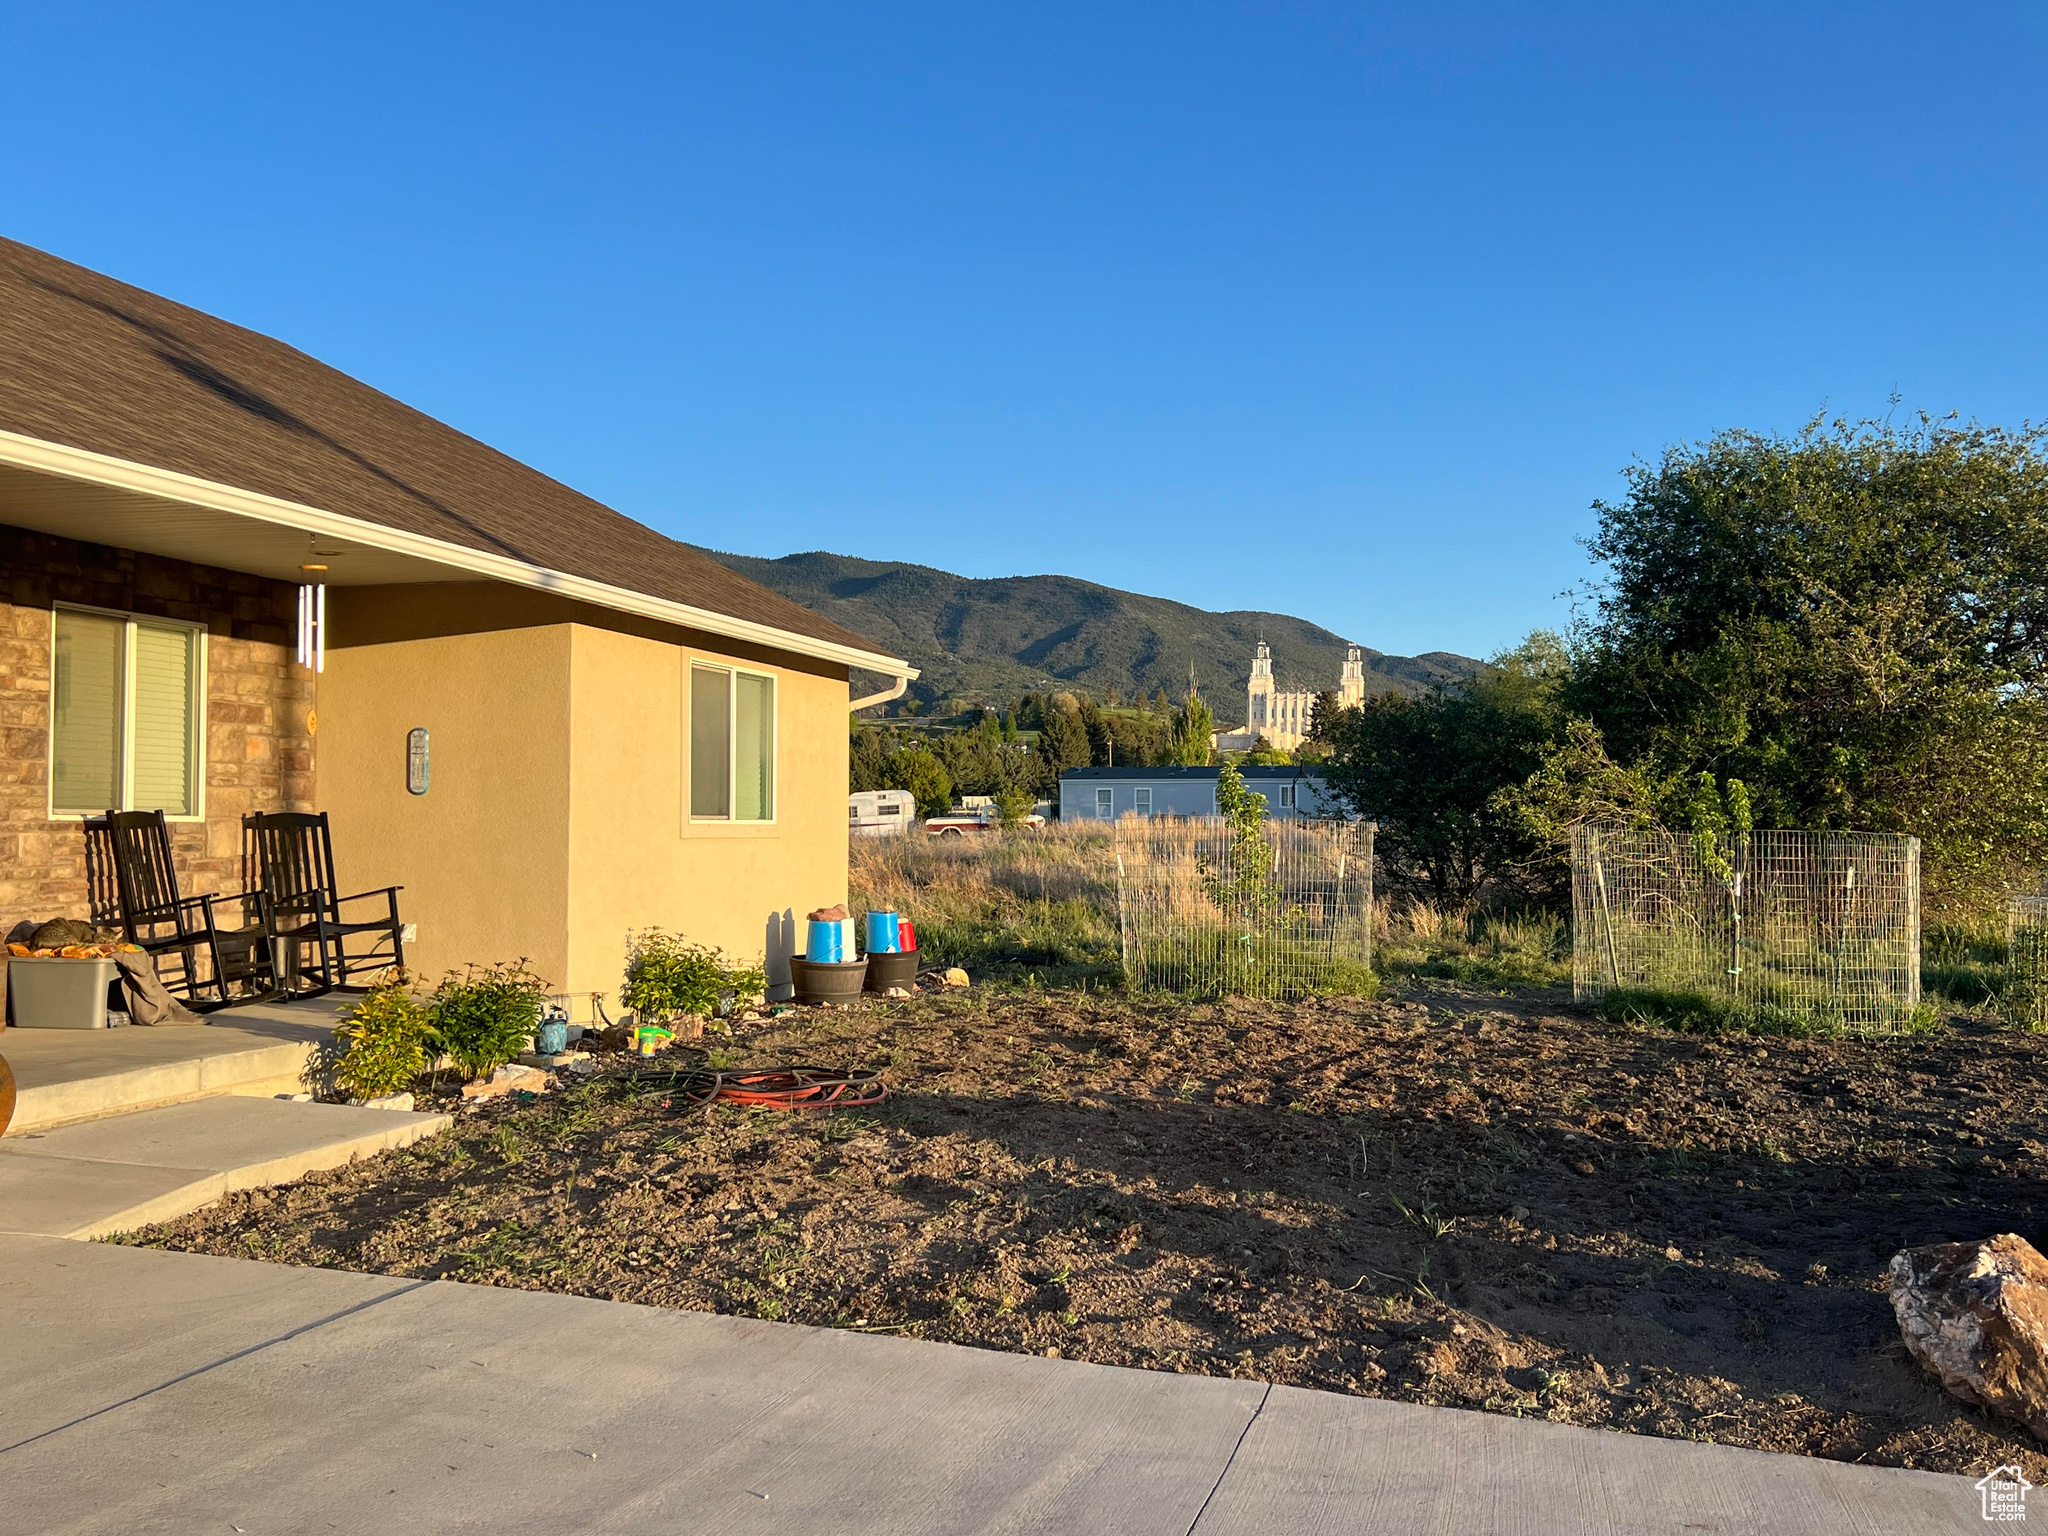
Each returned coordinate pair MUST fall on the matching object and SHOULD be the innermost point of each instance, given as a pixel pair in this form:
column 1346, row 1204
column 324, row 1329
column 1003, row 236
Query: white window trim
column 198, row 745
column 1141, row 799
column 732, row 744
column 1105, row 812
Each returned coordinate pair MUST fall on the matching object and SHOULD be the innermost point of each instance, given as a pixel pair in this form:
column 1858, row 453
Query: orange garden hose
column 810, row 1088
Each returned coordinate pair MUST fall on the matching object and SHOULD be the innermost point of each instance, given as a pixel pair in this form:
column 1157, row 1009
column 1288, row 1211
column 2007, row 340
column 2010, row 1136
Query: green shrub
column 2023, row 989
column 483, row 1015
column 386, row 1042
column 667, row 975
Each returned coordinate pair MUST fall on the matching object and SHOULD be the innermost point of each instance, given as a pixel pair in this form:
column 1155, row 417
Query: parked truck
column 977, row 813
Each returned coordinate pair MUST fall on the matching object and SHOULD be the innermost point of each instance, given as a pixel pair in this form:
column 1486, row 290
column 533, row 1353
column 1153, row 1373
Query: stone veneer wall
column 259, row 755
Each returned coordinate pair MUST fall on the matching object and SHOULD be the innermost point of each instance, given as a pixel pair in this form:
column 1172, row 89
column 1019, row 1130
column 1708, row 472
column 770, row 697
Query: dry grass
column 1024, row 905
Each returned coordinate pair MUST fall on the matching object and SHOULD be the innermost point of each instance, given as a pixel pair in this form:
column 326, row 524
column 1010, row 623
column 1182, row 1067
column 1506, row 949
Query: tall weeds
column 1484, row 948
column 1010, row 905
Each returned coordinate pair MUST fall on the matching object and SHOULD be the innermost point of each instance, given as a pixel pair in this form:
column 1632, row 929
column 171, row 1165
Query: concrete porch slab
column 117, row 1174
column 65, row 1076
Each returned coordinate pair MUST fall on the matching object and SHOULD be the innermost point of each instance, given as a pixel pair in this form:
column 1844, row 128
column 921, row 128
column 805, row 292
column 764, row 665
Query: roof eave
column 144, row 479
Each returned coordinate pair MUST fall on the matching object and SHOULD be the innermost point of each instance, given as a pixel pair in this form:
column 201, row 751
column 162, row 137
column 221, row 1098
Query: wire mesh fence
column 1285, row 912
column 2024, row 998
column 1819, row 926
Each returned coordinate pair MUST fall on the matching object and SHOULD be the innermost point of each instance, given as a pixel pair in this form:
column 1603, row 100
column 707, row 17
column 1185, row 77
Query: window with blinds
column 126, row 713
column 732, row 745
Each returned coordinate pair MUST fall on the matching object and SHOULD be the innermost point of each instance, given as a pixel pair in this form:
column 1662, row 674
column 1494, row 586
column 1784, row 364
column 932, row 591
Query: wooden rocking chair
column 290, row 854
column 132, row 885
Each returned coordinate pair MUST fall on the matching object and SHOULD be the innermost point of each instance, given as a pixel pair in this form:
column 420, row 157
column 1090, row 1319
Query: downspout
column 902, row 686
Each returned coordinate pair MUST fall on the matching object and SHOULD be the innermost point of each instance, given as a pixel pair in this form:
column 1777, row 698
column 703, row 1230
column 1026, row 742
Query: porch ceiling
column 179, row 530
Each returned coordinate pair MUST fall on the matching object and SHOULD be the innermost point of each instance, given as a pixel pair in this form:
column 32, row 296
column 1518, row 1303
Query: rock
column 896, row 992
column 1975, row 1315
column 389, row 1101
column 509, row 1079
column 554, row 1063
column 956, row 977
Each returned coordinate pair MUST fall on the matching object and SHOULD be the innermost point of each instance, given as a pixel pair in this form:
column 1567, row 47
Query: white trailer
column 880, row 813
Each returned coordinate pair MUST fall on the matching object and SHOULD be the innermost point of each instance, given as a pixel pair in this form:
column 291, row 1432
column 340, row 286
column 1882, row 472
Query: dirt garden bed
column 1447, row 1199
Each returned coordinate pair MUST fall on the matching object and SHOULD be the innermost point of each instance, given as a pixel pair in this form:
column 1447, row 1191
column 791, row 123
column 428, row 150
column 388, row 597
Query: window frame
column 196, row 737
column 732, row 673
column 1105, row 802
column 1141, row 799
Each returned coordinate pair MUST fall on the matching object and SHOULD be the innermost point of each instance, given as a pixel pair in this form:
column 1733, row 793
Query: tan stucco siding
column 637, row 859
column 484, row 854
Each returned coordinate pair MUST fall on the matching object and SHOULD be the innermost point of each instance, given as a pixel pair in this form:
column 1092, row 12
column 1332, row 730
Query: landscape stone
column 1975, row 1315
column 956, row 977
column 554, row 1062
column 509, row 1079
column 389, row 1101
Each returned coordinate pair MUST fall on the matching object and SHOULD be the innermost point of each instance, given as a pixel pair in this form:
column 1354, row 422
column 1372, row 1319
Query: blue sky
column 1343, row 311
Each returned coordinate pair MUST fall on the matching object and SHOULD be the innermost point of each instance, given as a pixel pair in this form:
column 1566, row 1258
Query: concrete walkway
column 127, row 1171
column 144, row 1391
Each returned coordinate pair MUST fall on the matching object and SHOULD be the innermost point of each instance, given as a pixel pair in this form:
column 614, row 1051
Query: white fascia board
column 122, row 474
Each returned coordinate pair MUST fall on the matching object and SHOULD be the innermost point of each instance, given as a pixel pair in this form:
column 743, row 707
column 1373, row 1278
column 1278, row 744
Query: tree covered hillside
column 989, row 641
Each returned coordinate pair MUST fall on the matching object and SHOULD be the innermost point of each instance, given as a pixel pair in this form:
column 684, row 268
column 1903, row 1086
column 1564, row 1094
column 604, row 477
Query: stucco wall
column 636, row 857
column 557, row 816
column 484, row 854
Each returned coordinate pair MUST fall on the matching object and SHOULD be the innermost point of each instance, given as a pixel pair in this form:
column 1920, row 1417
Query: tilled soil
column 1446, row 1199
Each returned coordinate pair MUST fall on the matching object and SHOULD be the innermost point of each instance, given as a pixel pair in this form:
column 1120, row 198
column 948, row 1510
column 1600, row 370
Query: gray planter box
column 48, row 993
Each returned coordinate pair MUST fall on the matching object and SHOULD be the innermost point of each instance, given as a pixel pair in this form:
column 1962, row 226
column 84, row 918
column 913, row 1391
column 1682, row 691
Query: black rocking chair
column 290, row 854
column 132, row 885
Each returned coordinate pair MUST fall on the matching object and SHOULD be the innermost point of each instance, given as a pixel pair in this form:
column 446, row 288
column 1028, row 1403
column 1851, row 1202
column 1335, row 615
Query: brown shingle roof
column 95, row 364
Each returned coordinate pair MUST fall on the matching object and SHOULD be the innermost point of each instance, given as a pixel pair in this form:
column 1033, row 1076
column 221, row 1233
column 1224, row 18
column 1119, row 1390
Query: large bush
column 386, row 1040
column 483, row 1015
column 1853, row 621
column 666, row 975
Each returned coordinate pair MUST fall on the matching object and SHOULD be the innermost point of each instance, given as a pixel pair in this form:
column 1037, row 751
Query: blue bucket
column 830, row 942
column 885, row 933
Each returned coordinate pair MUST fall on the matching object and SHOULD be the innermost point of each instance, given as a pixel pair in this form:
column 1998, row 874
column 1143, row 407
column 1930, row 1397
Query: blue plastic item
column 885, row 933
column 830, row 942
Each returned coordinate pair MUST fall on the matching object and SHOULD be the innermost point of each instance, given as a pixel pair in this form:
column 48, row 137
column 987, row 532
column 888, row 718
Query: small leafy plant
column 667, row 975
column 387, row 1042
column 483, row 1015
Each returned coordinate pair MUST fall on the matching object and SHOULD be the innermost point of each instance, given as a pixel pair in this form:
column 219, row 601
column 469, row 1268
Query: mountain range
column 988, row 640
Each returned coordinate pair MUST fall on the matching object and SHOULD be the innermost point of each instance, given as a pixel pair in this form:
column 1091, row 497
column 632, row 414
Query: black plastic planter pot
column 827, row 981
column 892, row 970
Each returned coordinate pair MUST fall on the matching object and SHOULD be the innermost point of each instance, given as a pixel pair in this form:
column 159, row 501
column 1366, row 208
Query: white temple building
column 1283, row 719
